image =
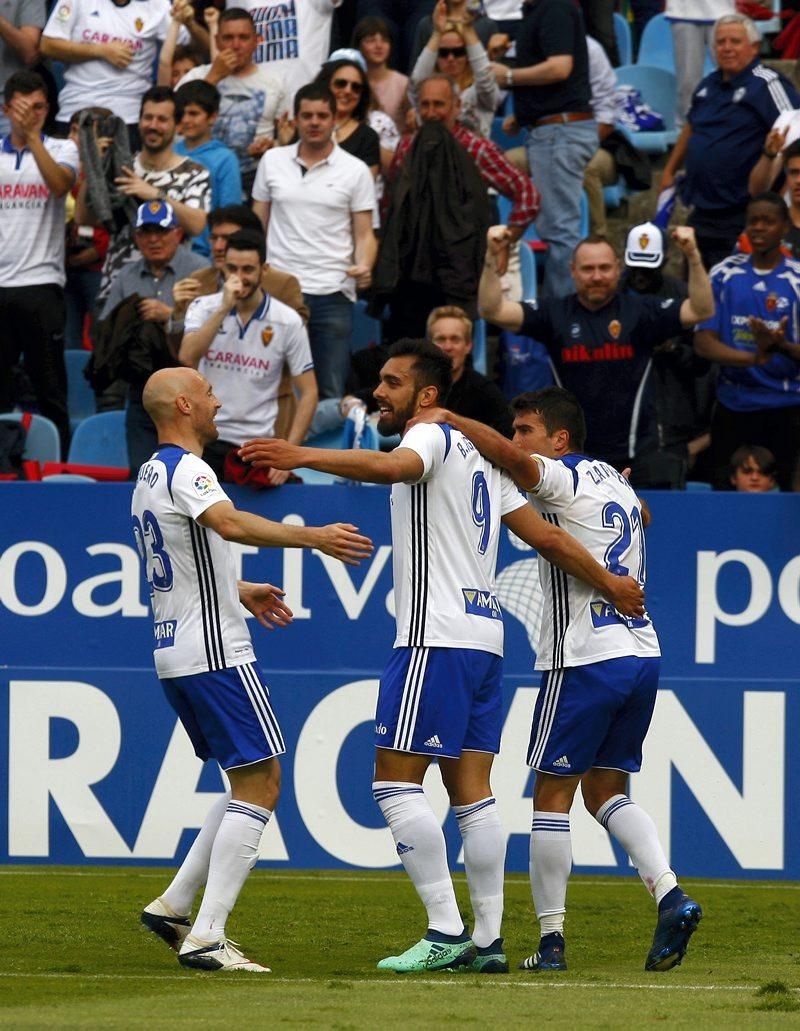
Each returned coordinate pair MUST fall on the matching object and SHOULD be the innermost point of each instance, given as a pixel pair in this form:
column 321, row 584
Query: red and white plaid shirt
column 495, row 169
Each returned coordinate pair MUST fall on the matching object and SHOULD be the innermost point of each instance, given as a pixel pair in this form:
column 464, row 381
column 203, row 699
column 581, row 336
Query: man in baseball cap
column 147, row 283
column 156, row 213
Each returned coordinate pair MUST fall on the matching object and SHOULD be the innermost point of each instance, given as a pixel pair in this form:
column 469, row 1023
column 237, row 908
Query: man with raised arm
column 182, row 522
column 601, row 339
column 441, row 693
column 600, row 670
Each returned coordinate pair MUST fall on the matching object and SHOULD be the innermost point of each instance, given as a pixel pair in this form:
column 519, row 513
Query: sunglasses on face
column 356, row 87
column 452, row 52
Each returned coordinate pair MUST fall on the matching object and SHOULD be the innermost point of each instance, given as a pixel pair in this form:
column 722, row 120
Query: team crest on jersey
column 615, row 328
column 772, row 302
column 575, row 330
column 64, row 11
column 203, row 485
column 139, row 24
column 267, row 333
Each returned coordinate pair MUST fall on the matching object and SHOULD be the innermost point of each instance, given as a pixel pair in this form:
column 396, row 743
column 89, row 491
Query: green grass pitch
column 75, row 956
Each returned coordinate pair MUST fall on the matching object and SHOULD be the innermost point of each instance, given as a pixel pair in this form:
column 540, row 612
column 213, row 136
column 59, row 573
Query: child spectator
column 372, row 38
column 753, row 470
column 200, row 102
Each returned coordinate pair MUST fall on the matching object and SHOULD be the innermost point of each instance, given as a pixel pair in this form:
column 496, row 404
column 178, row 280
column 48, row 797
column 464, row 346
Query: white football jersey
column 445, row 533
column 597, row 505
column 199, row 625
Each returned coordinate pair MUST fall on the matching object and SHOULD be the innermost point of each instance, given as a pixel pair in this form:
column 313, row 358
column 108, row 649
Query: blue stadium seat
column 366, row 330
column 68, row 478
column 622, row 31
column 527, row 267
column 659, row 89
column 100, row 440
column 479, row 345
column 501, row 137
column 80, row 396
column 614, row 195
column 655, row 46
column 697, row 485
column 42, row 443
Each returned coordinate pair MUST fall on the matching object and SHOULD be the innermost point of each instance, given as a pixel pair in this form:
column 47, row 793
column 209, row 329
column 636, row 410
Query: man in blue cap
column 151, row 278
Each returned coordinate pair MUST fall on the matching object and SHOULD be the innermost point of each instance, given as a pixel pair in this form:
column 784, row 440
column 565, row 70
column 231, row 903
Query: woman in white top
column 455, row 50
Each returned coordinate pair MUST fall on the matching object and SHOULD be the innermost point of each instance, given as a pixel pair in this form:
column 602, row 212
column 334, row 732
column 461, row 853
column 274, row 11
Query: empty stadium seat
column 655, row 46
column 501, row 137
column 100, row 440
column 614, row 195
column 42, row 442
column 622, row 31
column 68, row 478
column 479, row 345
column 366, row 330
column 527, row 267
column 659, row 89
column 80, row 396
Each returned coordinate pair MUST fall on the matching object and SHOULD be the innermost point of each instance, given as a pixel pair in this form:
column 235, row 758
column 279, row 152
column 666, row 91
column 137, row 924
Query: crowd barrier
column 96, row 770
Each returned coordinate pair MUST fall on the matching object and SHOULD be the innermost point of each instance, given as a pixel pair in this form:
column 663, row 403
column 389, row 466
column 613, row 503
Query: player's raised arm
column 398, row 466
column 340, row 540
column 500, row 451
column 564, row 551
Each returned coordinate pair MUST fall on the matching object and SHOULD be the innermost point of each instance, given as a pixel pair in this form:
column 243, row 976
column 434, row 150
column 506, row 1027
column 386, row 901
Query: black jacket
column 109, row 205
column 127, row 348
column 435, row 230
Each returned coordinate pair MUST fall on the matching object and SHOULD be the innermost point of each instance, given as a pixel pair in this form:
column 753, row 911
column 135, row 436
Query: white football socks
column 550, row 866
column 233, row 856
column 635, row 831
column 422, row 850
column 484, row 862
column 193, row 871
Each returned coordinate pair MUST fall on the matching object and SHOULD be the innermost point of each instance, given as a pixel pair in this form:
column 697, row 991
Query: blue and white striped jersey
column 199, row 625
column 445, row 533
column 597, row 505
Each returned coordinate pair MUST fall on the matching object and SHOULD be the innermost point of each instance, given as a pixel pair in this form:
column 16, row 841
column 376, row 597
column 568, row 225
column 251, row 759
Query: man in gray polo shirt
column 21, row 24
column 163, row 262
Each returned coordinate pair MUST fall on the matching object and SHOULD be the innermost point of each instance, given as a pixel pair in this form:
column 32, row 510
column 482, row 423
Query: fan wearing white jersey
column 183, row 523
column 601, row 670
column 441, row 693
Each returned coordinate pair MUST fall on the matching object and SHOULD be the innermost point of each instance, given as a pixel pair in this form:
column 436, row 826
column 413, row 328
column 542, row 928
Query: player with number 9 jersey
column 446, row 530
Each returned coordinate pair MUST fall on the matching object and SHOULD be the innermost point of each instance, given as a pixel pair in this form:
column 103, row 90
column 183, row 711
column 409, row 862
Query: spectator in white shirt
column 253, row 96
column 36, row 174
column 21, row 23
column 109, row 49
column 315, row 202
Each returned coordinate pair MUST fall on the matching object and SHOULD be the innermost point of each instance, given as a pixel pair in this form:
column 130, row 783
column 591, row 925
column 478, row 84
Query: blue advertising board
column 95, row 769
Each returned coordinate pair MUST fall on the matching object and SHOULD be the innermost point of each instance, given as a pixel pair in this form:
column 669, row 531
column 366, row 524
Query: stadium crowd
column 273, row 193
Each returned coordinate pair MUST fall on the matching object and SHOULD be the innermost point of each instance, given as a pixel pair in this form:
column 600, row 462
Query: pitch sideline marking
column 626, row 882
column 460, row 982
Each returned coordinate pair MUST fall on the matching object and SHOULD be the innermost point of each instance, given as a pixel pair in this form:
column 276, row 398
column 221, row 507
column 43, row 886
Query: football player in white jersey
column 441, row 693
column 182, row 523
column 600, row 671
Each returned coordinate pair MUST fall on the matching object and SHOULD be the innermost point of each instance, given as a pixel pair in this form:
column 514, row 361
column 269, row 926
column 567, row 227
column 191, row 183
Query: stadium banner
column 94, row 769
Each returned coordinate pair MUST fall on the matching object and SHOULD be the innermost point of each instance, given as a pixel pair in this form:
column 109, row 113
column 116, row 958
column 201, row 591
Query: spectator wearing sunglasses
column 455, row 50
column 348, row 83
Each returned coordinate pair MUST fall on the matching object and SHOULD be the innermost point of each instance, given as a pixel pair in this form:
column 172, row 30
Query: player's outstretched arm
column 368, row 466
column 492, row 445
column 266, row 603
column 564, row 551
column 340, row 540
